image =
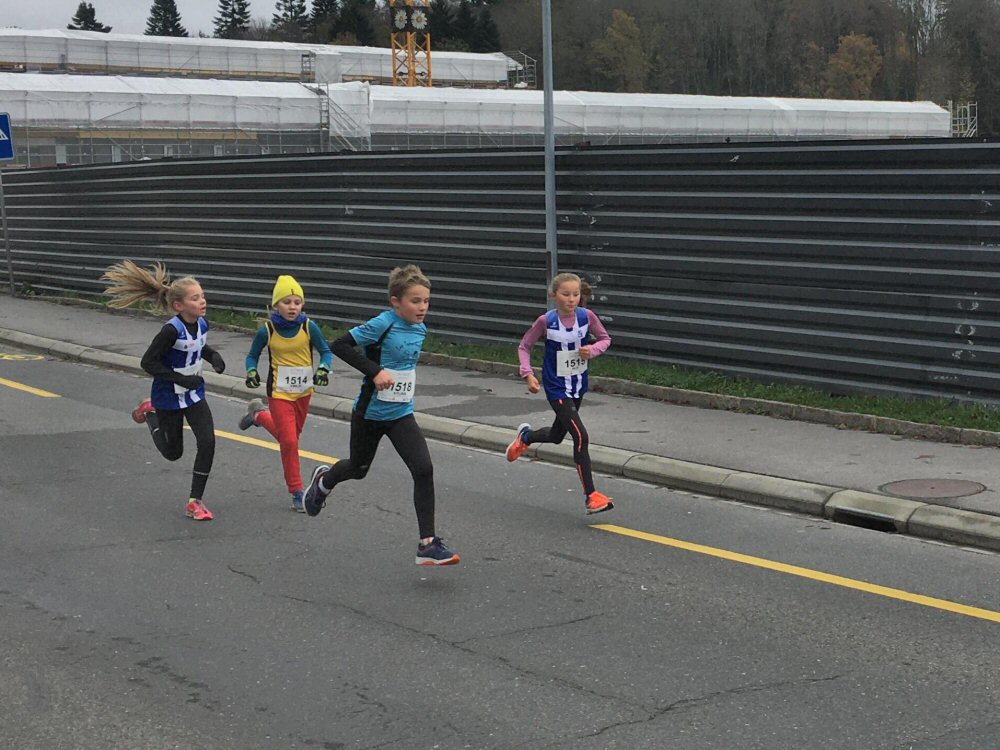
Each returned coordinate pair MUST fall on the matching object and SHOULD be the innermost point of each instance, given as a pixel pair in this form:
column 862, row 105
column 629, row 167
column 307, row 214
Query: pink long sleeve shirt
column 537, row 332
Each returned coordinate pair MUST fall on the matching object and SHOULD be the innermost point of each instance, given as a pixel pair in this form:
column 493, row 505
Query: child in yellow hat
column 290, row 338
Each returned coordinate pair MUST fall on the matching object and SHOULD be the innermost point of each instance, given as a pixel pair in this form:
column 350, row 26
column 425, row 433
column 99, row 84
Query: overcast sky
column 123, row 16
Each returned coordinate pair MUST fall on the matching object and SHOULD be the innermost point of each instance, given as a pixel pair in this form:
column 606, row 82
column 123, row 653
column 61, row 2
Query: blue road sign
column 6, row 140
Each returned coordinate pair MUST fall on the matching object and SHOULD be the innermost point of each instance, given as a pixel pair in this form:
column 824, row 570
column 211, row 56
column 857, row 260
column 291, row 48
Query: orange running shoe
column 196, row 509
column 518, row 446
column 598, row 503
column 139, row 413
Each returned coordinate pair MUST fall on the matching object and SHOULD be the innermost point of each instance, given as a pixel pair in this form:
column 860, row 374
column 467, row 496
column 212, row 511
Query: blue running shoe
column 298, row 501
column 435, row 553
column 314, row 500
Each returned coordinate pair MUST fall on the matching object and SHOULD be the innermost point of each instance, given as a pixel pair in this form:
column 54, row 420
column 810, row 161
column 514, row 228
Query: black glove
column 190, row 382
column 218, row 363
column 253, row 379
column 321, row 376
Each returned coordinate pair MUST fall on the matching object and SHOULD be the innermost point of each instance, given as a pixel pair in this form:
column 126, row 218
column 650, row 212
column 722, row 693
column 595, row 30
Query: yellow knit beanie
column 285, row 286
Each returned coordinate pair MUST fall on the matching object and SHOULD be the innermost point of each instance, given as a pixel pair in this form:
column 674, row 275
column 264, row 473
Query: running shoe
column 314, row 500
column 598, row 503
column 518, row 446
column 298, row 501
column 196, row 509
column 139, row 413
column 435, row 553
column 255, row 407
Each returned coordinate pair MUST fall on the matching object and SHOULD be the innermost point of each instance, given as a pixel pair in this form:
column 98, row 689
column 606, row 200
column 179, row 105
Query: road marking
column 28, row 389
column 816, row 575
column 20, row 357
column 271, row 446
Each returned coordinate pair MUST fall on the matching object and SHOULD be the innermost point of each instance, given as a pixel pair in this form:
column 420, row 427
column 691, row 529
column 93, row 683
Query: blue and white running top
column 564, row 373
column 184, row 358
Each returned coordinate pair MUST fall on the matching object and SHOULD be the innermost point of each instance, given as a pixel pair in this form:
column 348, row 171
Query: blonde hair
column 131, row 283
column 586, row 292
column 402, row 278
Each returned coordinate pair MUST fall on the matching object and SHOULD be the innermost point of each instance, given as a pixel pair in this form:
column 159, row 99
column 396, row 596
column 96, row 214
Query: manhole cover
column 924, row 489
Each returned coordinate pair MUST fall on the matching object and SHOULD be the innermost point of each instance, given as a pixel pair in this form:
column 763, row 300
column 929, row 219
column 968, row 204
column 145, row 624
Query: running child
column 290, row 338
column 174, row 359
column 567, row 330
column 390, row 347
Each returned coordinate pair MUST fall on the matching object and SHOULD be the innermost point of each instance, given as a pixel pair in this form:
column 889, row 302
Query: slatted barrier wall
column 868, row 266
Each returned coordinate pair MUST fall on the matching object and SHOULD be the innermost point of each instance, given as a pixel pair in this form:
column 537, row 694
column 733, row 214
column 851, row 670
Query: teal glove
column 253, row 379
column 321, row 376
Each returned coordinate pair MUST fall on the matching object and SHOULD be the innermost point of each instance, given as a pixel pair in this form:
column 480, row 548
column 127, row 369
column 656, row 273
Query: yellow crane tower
column 411, row 43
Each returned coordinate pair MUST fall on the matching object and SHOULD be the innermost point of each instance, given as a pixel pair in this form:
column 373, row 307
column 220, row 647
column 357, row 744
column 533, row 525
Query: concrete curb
column 836, row 503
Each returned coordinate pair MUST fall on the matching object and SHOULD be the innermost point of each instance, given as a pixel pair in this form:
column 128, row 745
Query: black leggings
column 411, row 446
column 568, row 420
column 167, row 428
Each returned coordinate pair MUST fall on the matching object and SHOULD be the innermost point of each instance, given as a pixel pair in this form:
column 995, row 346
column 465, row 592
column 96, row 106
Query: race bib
column 403, row 387
column 293, row 379
column 194, row 369
column 569, row 364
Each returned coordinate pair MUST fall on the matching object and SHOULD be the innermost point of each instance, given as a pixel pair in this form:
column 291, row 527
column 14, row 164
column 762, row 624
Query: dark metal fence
column 852, row 266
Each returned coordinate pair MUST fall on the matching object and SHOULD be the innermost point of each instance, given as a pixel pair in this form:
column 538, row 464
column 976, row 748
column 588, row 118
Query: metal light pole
column 550, row 143
column 6, row 241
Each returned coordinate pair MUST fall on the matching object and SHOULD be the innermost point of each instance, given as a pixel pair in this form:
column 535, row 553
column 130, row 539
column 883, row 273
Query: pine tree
column 324, row 11
column 233, row 19
column 354, row 20
column 323, row 20
column 290, row 13
column 164, row 20
column 442, row 19
column 465, row 24
column 486, row 35
column 86, row 20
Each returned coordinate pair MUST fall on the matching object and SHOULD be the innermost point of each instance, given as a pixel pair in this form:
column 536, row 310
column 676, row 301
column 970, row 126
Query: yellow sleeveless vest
column 295, row 352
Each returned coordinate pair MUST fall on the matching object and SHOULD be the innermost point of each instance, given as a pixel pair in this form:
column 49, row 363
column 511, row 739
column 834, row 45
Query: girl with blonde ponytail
column 174, row 359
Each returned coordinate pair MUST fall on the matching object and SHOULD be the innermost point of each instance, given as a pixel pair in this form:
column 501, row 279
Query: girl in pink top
column 567, row 330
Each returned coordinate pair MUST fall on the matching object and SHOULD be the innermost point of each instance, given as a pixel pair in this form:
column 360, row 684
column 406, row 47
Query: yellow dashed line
column 28, row 389
column 272, row 446
column 815, row 575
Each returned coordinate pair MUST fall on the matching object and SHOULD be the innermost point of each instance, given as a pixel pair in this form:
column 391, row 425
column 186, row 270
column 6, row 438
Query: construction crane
column 411, row 43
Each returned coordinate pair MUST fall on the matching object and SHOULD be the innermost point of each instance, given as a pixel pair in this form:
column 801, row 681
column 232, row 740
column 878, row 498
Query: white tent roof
column 55, row 48
column 41, row 100
column 360, row 110
column 423, row 110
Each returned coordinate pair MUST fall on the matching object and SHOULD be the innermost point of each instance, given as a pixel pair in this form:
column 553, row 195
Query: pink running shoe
column 196, row 509
column 139, row 413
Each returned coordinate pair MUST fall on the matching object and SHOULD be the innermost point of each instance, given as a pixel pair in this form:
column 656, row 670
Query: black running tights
column 411, row 446
column 167, row 428
column 568, row 420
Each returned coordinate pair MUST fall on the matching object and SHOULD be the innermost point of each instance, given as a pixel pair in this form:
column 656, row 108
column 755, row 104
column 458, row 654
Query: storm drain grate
column 865, row 519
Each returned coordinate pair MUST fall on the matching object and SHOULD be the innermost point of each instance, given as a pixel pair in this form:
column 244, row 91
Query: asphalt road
column 125, row 625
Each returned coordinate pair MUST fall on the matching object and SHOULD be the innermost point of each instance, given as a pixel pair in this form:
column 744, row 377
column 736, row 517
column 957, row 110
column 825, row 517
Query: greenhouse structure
column 94, row 53
column 77, row 119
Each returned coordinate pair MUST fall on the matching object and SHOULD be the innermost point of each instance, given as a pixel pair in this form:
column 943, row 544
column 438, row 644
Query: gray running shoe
column 249, row 419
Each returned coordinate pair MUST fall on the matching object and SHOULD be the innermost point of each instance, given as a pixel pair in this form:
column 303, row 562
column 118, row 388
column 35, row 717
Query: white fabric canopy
column 421, row 110
column 97, row 53
column 358, row 110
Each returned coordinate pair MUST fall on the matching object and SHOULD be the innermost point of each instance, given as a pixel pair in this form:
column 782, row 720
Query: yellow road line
column 271, row 446
column 816, row 575
column 28, row 389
